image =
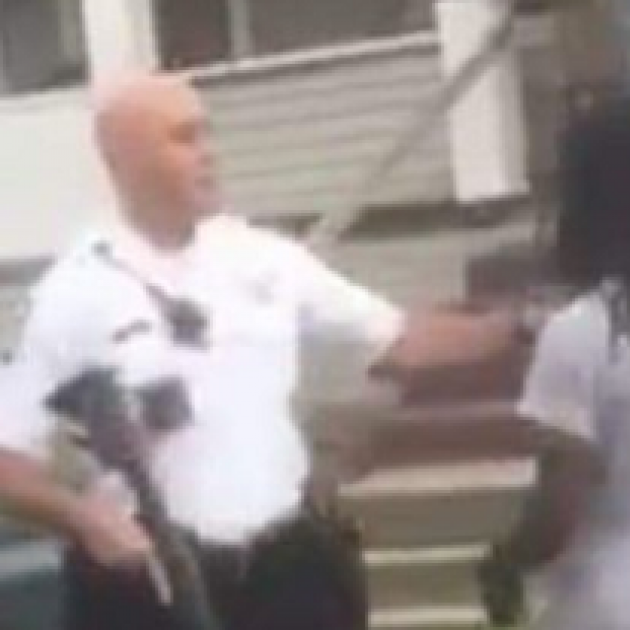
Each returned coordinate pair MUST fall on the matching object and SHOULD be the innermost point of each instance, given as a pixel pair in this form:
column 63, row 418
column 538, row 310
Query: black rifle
column 115, row 418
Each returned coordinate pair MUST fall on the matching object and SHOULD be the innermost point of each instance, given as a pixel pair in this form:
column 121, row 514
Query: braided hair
column 592, row 254
column 593, row 231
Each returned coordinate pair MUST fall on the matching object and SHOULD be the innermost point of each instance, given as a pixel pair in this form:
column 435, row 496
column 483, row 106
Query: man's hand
column 107, row 532
column 112, row 538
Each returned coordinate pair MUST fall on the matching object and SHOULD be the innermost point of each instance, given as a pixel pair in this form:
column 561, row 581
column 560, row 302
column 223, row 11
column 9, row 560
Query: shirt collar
column 131, row 247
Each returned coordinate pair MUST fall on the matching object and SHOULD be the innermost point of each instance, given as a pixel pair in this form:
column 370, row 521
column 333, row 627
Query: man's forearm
column 436, row 340
column 28, row 491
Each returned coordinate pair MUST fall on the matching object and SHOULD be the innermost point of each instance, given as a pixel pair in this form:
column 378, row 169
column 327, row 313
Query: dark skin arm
column 570, row 468
column 570, row 471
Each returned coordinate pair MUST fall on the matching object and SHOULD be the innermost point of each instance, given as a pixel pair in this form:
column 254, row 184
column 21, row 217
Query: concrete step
column 413, row 577
column 438, row 505
column 429, row 618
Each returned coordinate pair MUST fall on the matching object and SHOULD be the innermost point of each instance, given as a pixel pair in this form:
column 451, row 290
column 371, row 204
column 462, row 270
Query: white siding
column 51, row 185
column 301, row 139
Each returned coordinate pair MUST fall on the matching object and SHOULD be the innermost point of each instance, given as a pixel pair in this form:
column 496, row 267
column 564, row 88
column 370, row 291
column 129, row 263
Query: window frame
column 242, row 57
column 51, row 93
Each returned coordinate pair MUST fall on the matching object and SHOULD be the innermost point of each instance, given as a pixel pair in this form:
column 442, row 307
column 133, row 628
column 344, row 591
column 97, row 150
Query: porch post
column 486, row 128
column 120, row 37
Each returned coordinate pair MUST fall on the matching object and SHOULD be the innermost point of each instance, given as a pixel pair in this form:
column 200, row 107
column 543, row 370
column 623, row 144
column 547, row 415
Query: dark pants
column 309, row 577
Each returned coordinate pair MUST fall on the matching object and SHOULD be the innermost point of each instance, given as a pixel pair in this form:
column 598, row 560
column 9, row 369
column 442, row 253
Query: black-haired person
column 576, row 534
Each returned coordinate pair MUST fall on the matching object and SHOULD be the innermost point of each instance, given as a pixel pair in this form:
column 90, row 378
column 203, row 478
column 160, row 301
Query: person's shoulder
column 584, row 312
column 70, row 275
column 238, row 234
column 275, row 242
column 580, row 326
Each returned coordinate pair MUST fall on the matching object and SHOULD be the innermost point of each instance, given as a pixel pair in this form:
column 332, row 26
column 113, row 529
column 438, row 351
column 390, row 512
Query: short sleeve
column 54, row 348
column 334, row 306
column 560, row 386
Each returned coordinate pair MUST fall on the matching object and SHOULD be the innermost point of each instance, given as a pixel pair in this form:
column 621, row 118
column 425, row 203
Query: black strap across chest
column 186, row 322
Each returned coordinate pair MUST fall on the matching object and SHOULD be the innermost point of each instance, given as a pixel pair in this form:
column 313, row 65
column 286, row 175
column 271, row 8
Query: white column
column 240, row 28
column 487, row 126
column 70, row 30
column 120, row 37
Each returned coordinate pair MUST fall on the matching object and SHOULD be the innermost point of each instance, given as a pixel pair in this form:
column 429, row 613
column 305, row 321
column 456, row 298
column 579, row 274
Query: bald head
column 133, row 105
column 152, row 135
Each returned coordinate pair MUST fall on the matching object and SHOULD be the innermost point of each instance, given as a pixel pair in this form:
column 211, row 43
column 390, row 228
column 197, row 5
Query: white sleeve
column 333, row 306
column 560, row 386
column 53, row 349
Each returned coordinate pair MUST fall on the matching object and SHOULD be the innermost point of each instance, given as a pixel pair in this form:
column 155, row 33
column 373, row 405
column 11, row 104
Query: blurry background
column 304, row 99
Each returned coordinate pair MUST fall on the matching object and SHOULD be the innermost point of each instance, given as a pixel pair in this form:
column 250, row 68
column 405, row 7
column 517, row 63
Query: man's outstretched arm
column 399, row 344
column 468, row 349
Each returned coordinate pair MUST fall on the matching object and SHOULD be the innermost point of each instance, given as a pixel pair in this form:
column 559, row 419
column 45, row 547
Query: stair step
column 454, row 554
column 406, row 577
column 428, row 618
column 438, row 479
column 440, row 505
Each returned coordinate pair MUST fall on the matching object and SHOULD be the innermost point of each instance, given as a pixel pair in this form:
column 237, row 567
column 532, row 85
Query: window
column 41, row 45
column 192, row 33
column 533, row 7
column 285, row 25
column 200, row 32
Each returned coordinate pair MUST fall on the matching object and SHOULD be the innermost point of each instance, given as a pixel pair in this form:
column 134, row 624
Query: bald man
column 234, row 477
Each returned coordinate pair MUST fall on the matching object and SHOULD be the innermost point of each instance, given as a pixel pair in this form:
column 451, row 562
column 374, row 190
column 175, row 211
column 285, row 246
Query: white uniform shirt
column 241, row 464
column 578, row 386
